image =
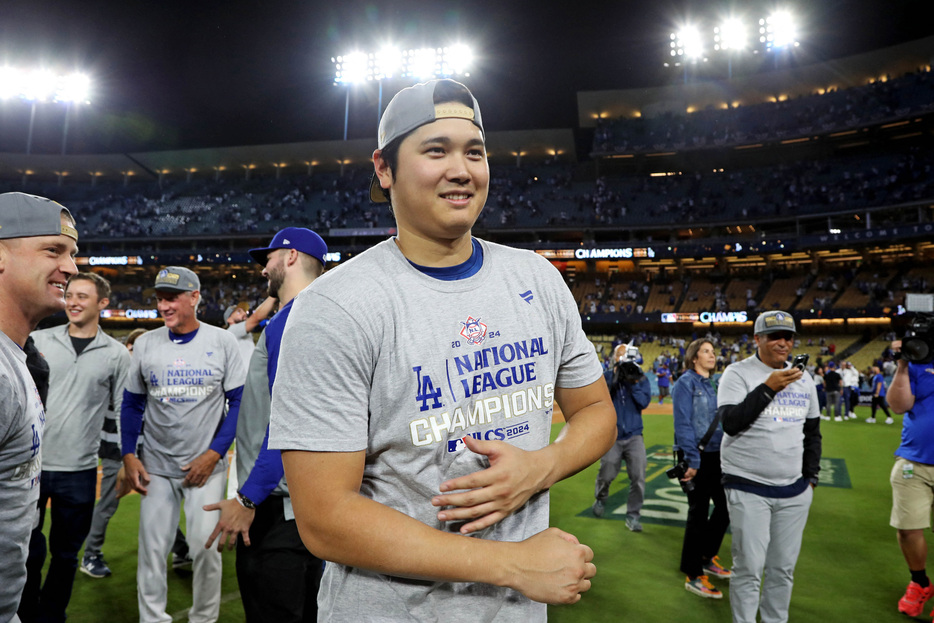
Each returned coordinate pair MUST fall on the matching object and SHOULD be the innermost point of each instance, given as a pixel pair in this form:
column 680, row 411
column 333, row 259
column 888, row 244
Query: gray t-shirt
column 378, row 356
column 21, row 422
column 81, row 390
column 771, row 451
column 245, row 341
column 184, row 385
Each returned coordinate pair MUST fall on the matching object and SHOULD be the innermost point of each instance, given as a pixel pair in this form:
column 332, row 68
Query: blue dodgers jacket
column 629, row 401
column 695, row 406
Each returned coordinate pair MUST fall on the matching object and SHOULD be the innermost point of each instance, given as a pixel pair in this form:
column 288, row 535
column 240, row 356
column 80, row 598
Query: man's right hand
column 552, row 567
column 780, row 379
column 136, row 475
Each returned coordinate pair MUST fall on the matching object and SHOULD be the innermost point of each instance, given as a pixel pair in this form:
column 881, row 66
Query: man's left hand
column 235, row 520
column 492, row 494
column 200, row 469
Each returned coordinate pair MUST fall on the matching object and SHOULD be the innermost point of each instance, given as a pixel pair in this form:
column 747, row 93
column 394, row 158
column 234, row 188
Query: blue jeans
column 72, row 495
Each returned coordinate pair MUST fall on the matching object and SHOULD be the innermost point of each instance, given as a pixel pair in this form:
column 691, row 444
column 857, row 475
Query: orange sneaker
column 912, row 602
column 702, row 586
column 714, row 568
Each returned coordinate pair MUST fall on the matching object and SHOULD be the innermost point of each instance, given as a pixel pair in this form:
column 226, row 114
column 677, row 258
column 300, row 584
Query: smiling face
column 440, row 182
column 82, row 304
column 36, row 271
column 178, row 310
column 774, row 348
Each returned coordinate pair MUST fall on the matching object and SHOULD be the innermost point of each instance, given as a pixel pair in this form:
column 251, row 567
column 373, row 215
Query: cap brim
column 259, row 255
column 376, row 191
column 166, row 288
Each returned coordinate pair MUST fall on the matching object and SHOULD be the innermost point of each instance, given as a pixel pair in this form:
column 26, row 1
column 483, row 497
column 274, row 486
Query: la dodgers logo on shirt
column 473, row 331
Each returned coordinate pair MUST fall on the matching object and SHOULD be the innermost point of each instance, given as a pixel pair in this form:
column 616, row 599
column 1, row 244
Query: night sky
column 205, row 73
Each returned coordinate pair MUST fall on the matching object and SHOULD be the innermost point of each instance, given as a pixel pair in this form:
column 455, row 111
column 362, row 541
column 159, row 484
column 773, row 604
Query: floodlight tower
column 350, row 69
column 37, row 86
column 730, row 37
column 778, row 32
column 686, row 44
column 74, row 89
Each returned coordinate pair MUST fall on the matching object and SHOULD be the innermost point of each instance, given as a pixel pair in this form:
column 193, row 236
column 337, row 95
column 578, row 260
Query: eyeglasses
column 780, row 335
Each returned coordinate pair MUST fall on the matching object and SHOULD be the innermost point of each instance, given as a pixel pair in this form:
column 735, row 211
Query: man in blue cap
column 278, row 576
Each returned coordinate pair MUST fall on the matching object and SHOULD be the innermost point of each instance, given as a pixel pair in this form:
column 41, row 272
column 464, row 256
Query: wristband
column 245, row 502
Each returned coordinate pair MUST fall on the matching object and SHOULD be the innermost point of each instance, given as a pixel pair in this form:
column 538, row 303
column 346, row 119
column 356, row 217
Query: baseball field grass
column 850, row 569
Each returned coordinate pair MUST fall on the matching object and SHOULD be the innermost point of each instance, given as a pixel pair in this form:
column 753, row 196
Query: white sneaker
column 889, row 420
column 870, row 420
column 852, row 415
column 825, row 417
column 838, row 419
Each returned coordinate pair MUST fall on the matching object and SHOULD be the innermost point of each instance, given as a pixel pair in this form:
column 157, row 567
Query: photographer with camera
column 912, row 477
column 631, row 393
column 770, row 456
column 697, row 440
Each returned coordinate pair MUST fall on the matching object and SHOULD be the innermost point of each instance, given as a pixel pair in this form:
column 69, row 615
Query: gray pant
column 105, row 509
column 833, row 400
column 631, row 450
column 767, row 536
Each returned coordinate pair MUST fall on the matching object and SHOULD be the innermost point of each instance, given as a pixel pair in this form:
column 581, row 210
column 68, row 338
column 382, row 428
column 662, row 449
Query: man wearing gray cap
column 770, row 457
column 38, row 242
column 183, row 375
column 415, row 393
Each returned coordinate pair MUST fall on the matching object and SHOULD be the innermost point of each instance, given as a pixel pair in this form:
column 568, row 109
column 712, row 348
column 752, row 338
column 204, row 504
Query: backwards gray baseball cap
column 24, row 216
column 413, row 107
column 774, row 321
column 177, row 279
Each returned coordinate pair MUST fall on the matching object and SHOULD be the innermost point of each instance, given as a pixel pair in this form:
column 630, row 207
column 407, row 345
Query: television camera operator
column 631, row 393
column 912, row 477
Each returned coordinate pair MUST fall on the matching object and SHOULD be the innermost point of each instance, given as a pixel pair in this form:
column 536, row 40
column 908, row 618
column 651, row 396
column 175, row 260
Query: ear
column 381, row 167
column 102, row 304
column 195, row 297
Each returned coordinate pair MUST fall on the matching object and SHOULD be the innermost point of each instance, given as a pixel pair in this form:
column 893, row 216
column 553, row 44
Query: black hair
column 445, row 91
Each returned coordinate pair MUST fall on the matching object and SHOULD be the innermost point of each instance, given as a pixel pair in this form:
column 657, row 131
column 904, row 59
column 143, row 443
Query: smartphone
column 800, row 361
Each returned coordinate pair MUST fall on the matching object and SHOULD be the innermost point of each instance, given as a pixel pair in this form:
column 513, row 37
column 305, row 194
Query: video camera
column 918, row 343
column 627, row 370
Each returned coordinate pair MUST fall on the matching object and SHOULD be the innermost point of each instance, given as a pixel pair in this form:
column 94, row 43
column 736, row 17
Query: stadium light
column 730, row 37
column 687, row 45
column 391, row 62
column 778, row 31
column 40, row 86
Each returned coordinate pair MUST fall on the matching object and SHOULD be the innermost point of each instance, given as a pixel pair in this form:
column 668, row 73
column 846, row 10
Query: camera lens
column 916, row 350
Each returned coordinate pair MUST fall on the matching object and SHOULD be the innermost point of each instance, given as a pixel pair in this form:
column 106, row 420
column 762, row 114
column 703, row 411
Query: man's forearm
column 585, row 437
column 899, row 394
column 739, row 417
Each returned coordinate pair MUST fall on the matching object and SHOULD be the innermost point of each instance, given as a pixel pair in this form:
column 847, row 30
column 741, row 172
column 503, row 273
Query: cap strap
column 69, row 231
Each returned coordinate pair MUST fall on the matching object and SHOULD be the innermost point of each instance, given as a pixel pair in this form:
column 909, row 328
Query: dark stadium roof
column 215, row 73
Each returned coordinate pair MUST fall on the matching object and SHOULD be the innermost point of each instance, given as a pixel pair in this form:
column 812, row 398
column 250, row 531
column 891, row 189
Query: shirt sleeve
column 683, row 402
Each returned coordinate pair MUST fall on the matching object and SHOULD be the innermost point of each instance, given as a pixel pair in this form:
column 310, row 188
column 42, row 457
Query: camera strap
column 710, row 431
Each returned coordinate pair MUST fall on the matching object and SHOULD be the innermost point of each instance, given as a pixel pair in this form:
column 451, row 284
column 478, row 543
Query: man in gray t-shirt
column 38, row 243
column 770, row 457
column 415, row 393
column 182, row 375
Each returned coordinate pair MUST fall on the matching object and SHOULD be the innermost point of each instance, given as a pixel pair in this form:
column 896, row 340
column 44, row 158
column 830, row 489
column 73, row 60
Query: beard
column 276, row 279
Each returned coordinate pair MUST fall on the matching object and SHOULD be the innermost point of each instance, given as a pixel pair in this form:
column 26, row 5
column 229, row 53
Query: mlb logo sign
column 456, row 445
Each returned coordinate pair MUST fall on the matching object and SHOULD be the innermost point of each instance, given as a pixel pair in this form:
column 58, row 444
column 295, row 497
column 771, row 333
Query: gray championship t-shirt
column 378, row 356
column 21, row 421
column 771, row 451
column 184, row 386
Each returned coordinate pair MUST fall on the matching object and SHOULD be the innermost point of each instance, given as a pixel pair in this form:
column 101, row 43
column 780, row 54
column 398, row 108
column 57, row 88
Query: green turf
column 850, row 569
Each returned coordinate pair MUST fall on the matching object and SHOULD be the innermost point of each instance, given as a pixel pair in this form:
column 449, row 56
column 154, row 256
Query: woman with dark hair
column 697, row 440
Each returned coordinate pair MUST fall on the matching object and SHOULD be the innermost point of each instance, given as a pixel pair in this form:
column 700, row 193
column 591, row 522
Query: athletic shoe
column 633, row 524
column 702, row 586
column 825, row 417
column 181, row 561
column 838, row 419
column 852, row 415
column 870, row 420
column 889, row 420
column 95, row 566
column 598, row 508
column 912, row 602
column 713, row 567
